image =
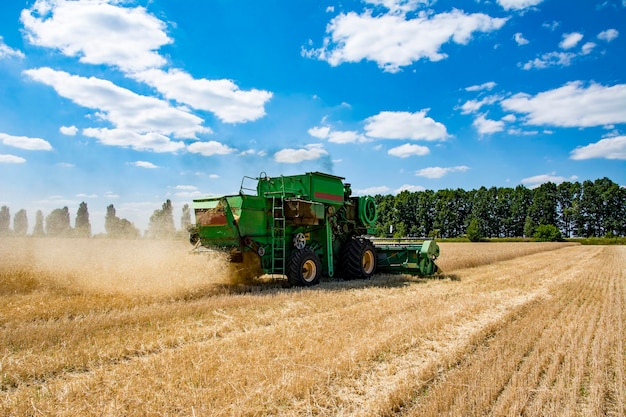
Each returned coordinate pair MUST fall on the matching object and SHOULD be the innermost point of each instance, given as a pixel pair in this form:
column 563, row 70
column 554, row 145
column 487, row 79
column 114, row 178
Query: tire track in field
column 389, row 386
column 539, row 363
column 493, row 365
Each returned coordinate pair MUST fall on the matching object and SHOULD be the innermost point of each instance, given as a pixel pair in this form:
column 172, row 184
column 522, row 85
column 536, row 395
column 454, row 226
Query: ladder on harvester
column 278, row 231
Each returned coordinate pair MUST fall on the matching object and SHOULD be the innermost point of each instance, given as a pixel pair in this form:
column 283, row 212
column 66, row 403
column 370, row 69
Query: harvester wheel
column 358, row 259
column 304, row 268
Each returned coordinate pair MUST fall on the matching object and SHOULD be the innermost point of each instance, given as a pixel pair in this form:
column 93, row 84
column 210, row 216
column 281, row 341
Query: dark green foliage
column 593, row 208
column 547, row 233
column 474, row 233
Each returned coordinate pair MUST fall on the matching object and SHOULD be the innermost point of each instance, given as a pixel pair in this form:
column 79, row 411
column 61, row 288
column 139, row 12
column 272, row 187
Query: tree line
column 58, row 223
column 570, row 209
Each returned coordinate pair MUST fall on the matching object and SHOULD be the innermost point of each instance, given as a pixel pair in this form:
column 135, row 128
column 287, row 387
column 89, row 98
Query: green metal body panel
column 313, row 186
column 398, row 257
column 289, row 212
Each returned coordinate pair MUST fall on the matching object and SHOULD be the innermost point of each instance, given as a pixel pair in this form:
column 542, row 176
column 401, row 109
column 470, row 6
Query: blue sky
column 134, row 102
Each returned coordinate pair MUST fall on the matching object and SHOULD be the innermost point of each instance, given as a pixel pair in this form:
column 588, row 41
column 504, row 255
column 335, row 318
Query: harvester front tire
column 304, row 268
column 358, row 259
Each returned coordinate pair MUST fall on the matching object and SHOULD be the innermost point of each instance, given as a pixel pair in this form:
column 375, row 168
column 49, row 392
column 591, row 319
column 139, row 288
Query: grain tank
column 303, row 227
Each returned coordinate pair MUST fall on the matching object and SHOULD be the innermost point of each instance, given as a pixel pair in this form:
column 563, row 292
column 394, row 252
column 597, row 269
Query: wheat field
column 143, row 328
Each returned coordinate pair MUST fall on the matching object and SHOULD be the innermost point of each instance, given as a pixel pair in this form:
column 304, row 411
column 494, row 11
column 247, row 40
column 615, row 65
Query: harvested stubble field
column 142, row 328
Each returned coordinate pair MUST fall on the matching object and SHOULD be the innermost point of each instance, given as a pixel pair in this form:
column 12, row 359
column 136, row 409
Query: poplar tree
column 82, row 227
column 5, row 220
column 38, row 229
column 20, row 223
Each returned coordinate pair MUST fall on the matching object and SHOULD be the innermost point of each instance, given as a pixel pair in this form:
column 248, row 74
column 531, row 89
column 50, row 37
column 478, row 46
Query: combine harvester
column 303, row 226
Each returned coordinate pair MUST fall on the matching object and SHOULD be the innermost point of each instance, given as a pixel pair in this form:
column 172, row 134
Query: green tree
column 568, row 204
column 611, row 208
column 503, row 212
column 58, row 223
column 425, row 213
column 451, row 212
column 82, row 227
column 38, row 229
column 405, row 212
column 185, row 219
column 118, row 228
column 20, row 223
column 474, row 233
column 5, row 220
column 483, row 209
column 543, row 209
column 162, row 222
column 127, row 230
column 521, row 200
column 547, row 233
column 529, row 227
column 386, row 214
column 111, row 221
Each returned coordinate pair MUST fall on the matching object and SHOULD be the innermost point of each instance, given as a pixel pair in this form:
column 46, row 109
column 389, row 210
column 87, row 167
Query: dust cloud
column 132, row 267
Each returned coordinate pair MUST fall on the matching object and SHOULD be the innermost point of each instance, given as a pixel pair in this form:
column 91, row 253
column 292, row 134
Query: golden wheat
column 143, row 328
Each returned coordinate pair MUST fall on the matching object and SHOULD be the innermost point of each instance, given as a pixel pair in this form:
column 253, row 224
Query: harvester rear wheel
column 358, row 259
column 304, row 268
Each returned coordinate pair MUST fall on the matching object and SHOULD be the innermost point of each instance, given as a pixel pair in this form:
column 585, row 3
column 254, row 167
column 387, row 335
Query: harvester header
column 304, row 226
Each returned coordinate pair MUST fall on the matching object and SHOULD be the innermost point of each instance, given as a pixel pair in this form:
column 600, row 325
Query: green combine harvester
column 303, row 227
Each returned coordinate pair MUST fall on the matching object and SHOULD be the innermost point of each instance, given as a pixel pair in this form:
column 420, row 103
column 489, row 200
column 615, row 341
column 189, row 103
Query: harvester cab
column 303, row 227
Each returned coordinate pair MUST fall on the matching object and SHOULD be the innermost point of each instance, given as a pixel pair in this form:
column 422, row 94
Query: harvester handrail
column 242, row 188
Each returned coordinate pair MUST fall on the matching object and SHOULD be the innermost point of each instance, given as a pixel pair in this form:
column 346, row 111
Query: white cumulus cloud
column 407, row 150
column 121, row 107
column 320, row 132
column 210, row 148
column 570, row 40
column 486, row 126
column 405, row 125
column 550, row 59
column 124, row 138
column 393, row 41
column 438, row 172
column 608, row 35
column 145, row 164
column 479, row 87
column 23, row 142
column 399, row 6
column 472, row 106
column 537, row 180
column 608, row 148
column 410, row 188
column 98, row 32
column 221, row 97
column 520, row 40
column 69, row 130
column 518, row 4
column 345, row 136
column 113, row 33
column 8, row 52
column 11, row 159
column 587, row 48
column 295, row 156
column 603, row 105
